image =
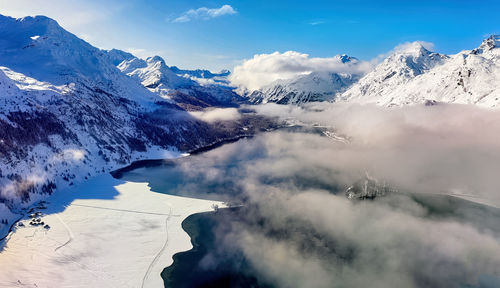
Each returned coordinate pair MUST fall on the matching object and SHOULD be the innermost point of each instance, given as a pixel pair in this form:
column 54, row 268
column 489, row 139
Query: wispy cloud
column 316, row 22
column 205, row 13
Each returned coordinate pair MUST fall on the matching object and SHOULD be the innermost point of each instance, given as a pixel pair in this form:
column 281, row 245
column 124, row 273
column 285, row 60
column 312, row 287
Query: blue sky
column 214, row 40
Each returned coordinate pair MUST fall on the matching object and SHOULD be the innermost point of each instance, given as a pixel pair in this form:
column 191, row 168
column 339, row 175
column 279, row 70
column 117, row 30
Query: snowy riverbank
column 103, row 233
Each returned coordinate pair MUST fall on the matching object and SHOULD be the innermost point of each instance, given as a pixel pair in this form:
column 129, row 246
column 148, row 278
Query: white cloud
column 264, row 69
column 217, row 114
column 295, row 232
column 205, row 13
column 412, row 147
column 401, row 48
column 316, row 22
column 412, row 45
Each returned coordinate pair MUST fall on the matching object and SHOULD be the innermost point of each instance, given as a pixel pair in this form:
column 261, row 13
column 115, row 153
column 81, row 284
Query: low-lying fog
column 301, row 230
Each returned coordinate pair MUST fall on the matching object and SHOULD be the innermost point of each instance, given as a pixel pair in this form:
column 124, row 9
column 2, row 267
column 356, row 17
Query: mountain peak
column 28, row 27
column 155, row 59
column 118, row 56
column 127, row 66
column 488, row 44
column 225, row 72
column 39, row 48
column 344, row 58
column 412, row 48
column 36, row 21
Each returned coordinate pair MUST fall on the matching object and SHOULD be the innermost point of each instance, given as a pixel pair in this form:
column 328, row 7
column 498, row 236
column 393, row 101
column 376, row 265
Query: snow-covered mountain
column 39, row 48
column 68, row 113
column 315, row 86
column 411, row 74
column 204, row 76
column 153, row 73
column 178, row 86
column 400, row 67
column 416, row 76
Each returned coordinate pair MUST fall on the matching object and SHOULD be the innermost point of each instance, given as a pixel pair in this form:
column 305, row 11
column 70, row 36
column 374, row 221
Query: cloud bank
column 264, row 69
column 439, row 149
column 205, row 13
column 298, row 228
column 216, row 114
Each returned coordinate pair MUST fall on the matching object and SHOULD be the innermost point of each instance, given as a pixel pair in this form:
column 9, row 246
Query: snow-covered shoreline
column 103, row 233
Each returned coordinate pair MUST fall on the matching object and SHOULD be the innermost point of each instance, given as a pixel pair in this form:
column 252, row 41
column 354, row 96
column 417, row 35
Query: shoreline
column 123, row 239
column 118, row 173
column 98, row 200
column 11, row 229
column 188, row 269
column 60, row 211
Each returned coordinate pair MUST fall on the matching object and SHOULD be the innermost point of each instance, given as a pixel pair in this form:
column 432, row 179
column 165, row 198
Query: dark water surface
column 208, row 264
column 203, row 266
column 215, row 261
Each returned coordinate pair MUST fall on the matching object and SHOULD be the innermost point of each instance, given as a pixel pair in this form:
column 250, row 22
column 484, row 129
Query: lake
column 243, row 246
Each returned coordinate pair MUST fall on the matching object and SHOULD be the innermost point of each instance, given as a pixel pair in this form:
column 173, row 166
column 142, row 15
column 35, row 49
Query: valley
column 123, row 170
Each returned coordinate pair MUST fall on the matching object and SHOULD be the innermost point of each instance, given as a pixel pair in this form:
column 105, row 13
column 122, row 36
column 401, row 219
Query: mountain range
column 409, row 75
column 419, row 76
column 71, row 111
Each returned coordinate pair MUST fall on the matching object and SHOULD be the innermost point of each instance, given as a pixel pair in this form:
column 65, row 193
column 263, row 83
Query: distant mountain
column 68, row 113
column 315, row 86
column 199, row 73
column 418, row 76
column 182, row 89
column 411, row 74
column 153, row 73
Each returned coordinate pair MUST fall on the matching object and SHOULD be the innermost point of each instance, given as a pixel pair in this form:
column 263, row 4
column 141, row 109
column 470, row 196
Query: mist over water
column 297, row 228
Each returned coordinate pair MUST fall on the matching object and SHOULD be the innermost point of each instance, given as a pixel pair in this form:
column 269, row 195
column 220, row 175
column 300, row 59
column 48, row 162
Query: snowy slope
column 153, row 73
column 67, row 113
column 469, row 77
column 41, row 49
column 118, row 56
column 121, row 235
column 411, row 74
column 315, row 86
